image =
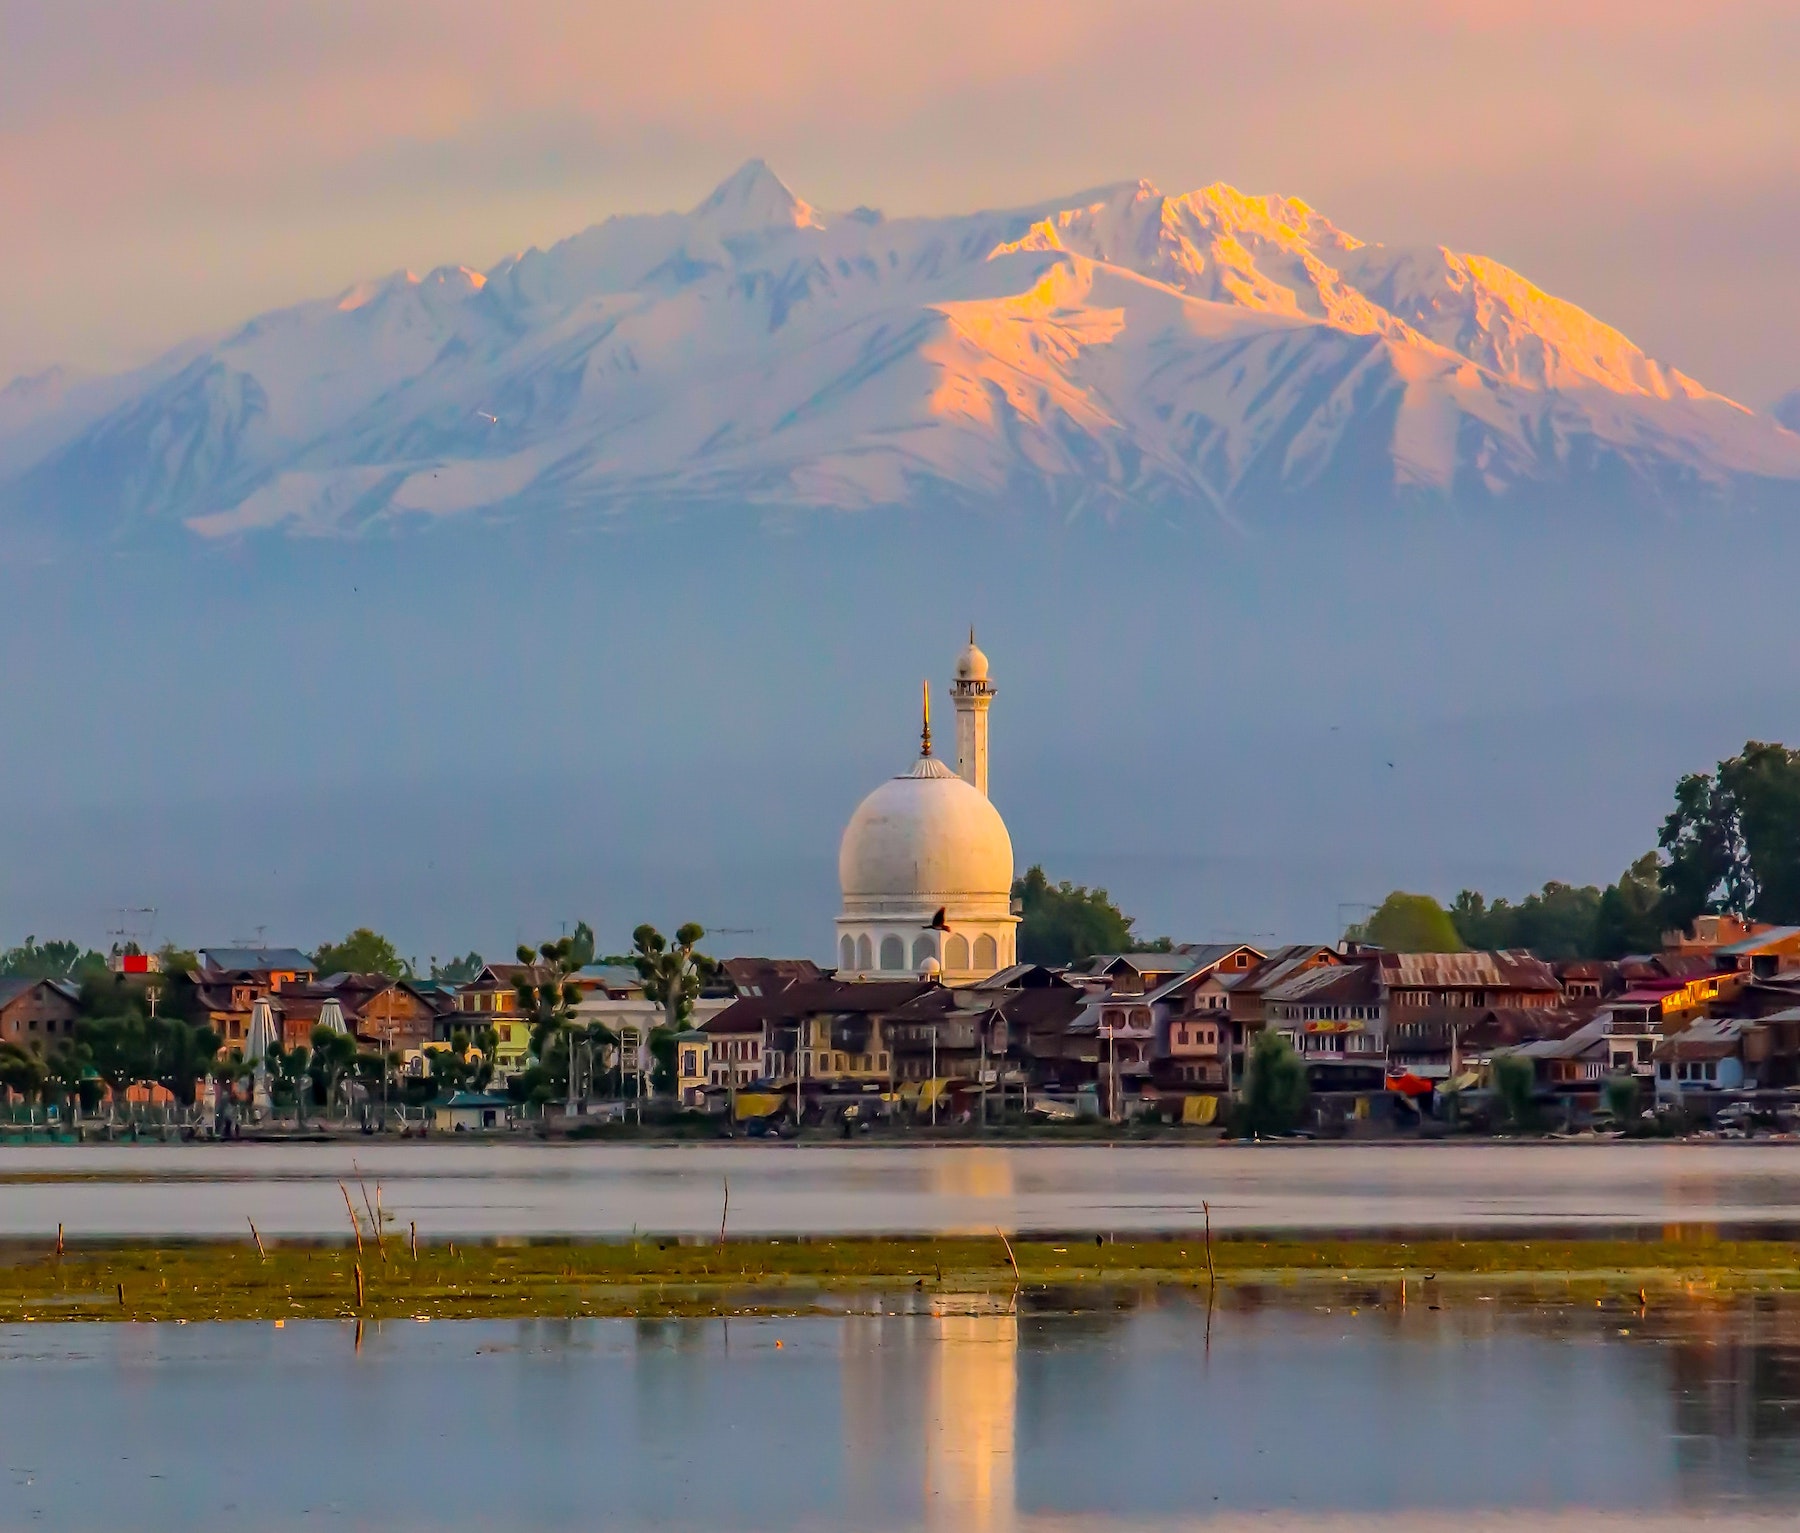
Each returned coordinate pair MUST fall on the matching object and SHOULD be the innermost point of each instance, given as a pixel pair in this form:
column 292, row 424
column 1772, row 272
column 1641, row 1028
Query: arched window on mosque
column 987, row 955
column 865, row 955
column 956, row 953
column 922, row 949
column 893, row 953
column 846, row 951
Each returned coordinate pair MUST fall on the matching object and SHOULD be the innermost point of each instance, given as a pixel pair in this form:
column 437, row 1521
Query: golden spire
column 925, row 733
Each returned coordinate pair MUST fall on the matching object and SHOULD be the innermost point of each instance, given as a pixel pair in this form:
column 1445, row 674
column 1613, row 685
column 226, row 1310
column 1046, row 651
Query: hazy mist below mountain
column 465, row 737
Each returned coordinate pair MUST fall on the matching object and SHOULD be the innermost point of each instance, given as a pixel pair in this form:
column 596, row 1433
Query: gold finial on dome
column 925, row 733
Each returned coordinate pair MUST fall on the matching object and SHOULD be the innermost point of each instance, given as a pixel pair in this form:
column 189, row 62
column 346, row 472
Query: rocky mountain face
column 1108, row 355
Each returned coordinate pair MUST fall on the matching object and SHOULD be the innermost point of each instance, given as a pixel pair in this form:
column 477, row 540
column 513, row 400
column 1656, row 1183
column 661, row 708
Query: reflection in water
column 971, row 1173
column 1313, row 1407
column 969, row 1422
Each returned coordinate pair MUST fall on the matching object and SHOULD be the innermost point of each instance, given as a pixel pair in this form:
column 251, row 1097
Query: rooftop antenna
column 128, row 931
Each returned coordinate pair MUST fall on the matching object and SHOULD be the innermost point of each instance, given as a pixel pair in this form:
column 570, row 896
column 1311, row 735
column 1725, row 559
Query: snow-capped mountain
column 1106, row 353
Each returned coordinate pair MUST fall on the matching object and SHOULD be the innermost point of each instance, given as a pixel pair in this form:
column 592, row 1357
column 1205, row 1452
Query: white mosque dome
column 971, row 664
column 922, row 840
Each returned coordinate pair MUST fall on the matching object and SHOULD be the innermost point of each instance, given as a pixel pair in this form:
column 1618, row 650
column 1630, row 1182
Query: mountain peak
column 754, row 197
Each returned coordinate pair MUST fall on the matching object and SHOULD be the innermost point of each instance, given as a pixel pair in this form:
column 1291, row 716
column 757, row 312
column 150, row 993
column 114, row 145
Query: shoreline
column 651, row 1277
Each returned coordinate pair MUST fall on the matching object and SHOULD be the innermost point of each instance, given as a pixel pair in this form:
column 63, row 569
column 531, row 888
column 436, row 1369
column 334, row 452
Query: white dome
column 923, row 840
column 971, row 664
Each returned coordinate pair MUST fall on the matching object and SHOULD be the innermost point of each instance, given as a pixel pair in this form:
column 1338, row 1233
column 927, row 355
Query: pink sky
column 173, row 166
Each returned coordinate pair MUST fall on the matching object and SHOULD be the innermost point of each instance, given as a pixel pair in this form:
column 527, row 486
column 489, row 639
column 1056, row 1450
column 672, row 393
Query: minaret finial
column 925, row 733
column 971, row 633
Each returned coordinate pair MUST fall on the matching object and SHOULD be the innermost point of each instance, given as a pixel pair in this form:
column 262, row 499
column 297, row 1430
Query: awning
column 1410, row 1085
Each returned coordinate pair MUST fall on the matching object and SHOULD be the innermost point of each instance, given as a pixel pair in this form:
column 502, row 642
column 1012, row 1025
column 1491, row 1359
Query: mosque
column 926, row 865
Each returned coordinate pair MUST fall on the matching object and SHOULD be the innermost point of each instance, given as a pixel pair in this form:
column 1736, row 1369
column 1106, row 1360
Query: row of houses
column 1717, row 1009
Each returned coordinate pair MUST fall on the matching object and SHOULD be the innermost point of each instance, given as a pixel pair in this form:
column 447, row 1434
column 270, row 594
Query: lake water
column 1141, row 1414
column 474, row 1190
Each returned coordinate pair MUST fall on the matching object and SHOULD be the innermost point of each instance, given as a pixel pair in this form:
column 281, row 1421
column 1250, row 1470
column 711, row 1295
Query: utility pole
column 934, row 1079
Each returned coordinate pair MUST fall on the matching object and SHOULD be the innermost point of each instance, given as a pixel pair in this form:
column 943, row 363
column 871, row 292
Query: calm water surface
column 1144, row 1415
column 474, row 1190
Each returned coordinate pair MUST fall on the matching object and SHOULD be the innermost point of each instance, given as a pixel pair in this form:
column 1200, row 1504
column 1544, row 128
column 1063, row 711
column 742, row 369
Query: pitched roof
column 1512, row 969
column 1761, row 940
column 1348, row 982
column 255, row 960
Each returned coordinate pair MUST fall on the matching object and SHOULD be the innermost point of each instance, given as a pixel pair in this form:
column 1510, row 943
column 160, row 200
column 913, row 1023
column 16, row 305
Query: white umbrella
column 264, row 1034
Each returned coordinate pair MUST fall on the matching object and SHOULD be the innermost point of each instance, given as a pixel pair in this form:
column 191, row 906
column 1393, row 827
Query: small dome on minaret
column 971, row 664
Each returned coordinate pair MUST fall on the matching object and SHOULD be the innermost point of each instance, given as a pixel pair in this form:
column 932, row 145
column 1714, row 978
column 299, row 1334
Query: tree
column 673, row 972
column 362, row 952
column 290, row 1077
column 180, row 1056
column 1763, row 787
column 1557, row 923
column 1067, row 923
column 118, row 1050
column 548, row 997
column 1621, row 1093
column 177, row 960
column 1515, row 1081
column 22, row 1071
column 581, row 947
column 1275, row 1091
column 333, row 1055
column 1412, row 923
column 51, row 960
column 1630, row 917
column 459, row 971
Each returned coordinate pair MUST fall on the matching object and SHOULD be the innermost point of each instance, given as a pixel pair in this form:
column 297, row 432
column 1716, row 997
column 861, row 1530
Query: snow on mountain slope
column 1119, row 350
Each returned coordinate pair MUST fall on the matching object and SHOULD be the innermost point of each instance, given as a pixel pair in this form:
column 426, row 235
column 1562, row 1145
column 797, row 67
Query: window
column 987, row 952
column 893, row 953
column 864, row 953
column 923, row 948
column 846, row 951
column 956, row 953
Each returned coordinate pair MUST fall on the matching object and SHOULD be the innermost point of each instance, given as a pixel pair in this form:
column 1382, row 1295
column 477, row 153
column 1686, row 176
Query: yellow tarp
column 1199, row 1110
column 759, row 1104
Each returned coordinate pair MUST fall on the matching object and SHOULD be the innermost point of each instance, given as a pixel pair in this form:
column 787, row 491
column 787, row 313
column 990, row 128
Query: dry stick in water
column 59, row 1243
column 350, row 1209
column 379, row 1246
column 256, row 1237
column 1009, row 1253
column 1212, row 1278
column 415, row 1239
column 368, row 1207
column 359, row 1286
column 725, row 1212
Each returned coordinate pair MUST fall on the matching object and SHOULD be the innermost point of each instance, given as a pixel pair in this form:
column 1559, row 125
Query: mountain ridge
column 1117, row 352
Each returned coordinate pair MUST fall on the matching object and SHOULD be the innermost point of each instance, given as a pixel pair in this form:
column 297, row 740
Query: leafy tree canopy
column 1067, row 923
column 1732, row 841
column 459, row 971
column 1275, row 1090
column 673, row 972
column 362, row 952
column 1556, row 923
column 1411, row 923
column 51, row 960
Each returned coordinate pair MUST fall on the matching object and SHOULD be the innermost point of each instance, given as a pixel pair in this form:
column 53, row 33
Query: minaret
column 972, row 693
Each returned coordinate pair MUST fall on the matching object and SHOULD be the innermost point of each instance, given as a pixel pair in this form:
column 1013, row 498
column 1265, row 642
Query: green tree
column 1763, row 787
column 22, row 1071
column 459, row 971
column 51, row 960
column 581, row 947
column 1275, row 1091
column 1556, row 923
column 68, row 1077
column 177, row 960
column 180, row 1056
column 1515, row 1082
column 1068, row 923
column 1412, row 923
column 119, row 1051
column 1621, row 1093
column 333, row 1055
column 1630, row 917
column 673, row 972
column 548, row 997
column 290, row 1078
column 362, row 952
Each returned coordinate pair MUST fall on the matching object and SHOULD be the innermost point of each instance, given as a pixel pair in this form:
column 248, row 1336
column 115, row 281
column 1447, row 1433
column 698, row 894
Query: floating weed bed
column 221, row 1281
